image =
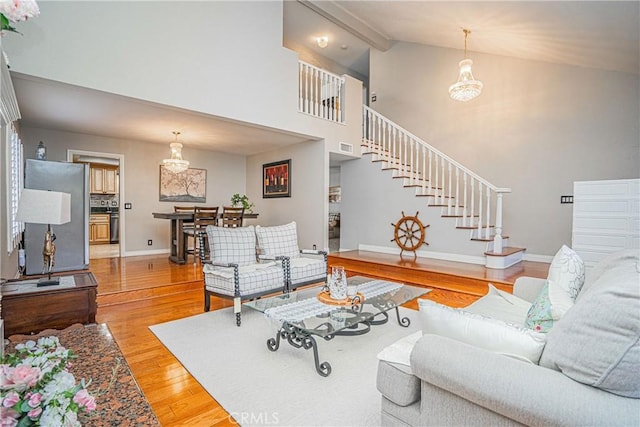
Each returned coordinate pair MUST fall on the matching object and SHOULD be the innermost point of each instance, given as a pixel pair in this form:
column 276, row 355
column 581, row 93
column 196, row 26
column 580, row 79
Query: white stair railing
column 320, row 93
column 459, row 191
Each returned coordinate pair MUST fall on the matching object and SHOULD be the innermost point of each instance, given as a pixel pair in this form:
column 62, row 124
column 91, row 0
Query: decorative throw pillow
column 567, row 271
column 232, row 245
column 598, row 341
column 501, row 305
column 539, row 317
column 550, row 306
column 484, row 332
column 279, row 240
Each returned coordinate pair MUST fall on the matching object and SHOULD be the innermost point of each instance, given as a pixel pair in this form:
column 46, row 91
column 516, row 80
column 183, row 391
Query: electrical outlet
column 149, row 242
column 127, row 205
column 566, row 199
column 374, row 97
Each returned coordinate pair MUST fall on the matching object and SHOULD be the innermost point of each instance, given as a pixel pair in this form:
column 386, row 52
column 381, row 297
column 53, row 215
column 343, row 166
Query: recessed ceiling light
column 344, row 47
column 322, row 41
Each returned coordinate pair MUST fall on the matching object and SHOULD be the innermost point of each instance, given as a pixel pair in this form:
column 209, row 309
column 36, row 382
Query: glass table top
column 302, row 309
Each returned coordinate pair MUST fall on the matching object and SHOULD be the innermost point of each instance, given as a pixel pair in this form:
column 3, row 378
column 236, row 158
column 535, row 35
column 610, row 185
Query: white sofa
column 588, row 371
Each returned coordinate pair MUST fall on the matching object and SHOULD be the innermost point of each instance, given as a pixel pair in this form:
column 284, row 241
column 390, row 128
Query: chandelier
column 466, row 88
column 175, row 164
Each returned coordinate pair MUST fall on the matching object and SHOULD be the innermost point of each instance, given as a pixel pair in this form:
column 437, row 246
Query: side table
column 27, row 309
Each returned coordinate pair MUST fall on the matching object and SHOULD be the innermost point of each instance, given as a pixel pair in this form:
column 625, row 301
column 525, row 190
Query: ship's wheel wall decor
column 409, row 233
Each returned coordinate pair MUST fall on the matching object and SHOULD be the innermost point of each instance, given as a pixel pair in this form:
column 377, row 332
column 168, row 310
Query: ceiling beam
column 339, row 16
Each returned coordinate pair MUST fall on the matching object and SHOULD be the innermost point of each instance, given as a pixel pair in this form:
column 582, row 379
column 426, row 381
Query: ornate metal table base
column 299, row 338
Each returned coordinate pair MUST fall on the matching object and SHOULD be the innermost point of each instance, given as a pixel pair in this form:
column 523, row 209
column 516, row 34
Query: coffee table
column 302, row 316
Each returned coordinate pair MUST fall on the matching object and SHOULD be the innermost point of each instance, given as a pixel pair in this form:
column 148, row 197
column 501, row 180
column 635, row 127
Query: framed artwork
column 276, row 179
column 187, row 186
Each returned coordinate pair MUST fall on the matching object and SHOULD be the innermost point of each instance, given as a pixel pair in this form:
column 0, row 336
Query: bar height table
column 177, row 228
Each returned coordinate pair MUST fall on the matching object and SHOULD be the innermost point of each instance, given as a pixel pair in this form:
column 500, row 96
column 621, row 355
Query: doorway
column 335, row 197
column 106, row 191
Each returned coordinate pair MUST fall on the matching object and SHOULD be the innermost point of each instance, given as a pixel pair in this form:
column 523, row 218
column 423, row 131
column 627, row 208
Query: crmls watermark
column 260, row 418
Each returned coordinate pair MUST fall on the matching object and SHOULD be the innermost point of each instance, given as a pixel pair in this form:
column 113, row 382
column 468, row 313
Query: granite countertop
column 119, row 400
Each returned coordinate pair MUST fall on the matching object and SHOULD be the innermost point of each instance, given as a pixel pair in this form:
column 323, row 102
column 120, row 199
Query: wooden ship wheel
column 409, row 233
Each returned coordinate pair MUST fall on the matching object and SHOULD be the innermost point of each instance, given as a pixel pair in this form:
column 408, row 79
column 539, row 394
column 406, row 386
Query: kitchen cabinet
column 103, row 180
column 99, row 231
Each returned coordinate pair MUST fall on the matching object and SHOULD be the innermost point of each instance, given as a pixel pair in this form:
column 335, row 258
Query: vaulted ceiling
column 598, row 34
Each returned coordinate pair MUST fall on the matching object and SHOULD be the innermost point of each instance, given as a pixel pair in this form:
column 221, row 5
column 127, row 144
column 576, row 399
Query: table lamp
column 45, row 207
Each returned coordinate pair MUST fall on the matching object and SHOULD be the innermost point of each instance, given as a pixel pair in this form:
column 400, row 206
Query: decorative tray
column 325, row 297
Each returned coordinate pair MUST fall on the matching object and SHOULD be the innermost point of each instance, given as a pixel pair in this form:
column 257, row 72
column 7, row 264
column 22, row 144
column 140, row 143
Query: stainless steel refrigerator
column 72, row 238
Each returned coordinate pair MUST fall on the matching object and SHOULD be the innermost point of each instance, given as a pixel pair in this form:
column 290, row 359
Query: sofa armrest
column 528, row 288
column 521, row 391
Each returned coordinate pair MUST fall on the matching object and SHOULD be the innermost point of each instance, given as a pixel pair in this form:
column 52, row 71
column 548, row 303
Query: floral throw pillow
column 567, row 271
column 539, row 317
column 550, row 306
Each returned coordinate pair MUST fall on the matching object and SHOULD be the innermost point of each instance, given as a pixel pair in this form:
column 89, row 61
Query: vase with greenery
column 238, row 200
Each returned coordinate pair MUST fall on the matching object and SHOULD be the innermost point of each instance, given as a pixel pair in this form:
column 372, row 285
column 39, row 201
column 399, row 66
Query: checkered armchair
column 233, row 270
column 301, row 267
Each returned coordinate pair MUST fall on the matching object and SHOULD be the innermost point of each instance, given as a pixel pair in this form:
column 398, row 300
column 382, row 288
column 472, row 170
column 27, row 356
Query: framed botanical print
column 276, row 179
column 187, row 186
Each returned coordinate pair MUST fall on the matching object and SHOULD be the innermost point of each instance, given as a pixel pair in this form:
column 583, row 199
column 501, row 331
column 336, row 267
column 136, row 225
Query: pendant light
column 175, row 164
column 466, row 88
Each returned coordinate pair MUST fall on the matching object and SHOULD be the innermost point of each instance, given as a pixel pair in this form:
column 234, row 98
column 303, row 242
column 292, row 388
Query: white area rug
column 260, row 387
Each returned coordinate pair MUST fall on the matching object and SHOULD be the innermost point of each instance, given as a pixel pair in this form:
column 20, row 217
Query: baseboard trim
column 537, row 258
column 469, row 259
column 147, row 252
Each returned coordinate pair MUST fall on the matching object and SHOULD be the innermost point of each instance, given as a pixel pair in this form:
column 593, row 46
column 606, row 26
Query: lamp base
column 49, row 281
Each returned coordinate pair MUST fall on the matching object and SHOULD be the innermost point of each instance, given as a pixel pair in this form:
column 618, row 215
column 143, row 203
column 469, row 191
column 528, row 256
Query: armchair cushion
column 252, row 279
column 490, row 334
column 279, row 240
column 232, row 245
column 306, row 269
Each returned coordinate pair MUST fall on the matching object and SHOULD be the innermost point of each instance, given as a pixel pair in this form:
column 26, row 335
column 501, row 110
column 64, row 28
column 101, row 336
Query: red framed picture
column 276, row 179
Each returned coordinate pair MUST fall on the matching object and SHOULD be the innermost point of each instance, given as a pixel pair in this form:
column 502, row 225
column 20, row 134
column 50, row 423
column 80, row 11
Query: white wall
column 223, row 58
column 306, row 206
column 226, row 175
column 536, row 128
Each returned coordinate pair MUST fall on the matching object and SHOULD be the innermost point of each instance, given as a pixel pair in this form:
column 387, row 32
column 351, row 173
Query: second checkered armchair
column 301, row 267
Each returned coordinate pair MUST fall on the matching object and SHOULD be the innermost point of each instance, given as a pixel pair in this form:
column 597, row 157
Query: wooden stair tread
column 486, row 239
column 457, row 216
column 471, row 227
column 506, row 251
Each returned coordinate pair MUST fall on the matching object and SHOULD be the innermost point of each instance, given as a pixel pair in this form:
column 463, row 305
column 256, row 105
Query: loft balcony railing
column 321, row 93
column 461, row 193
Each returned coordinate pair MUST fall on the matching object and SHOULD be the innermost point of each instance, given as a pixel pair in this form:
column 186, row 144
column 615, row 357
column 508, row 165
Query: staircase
column 474, row 204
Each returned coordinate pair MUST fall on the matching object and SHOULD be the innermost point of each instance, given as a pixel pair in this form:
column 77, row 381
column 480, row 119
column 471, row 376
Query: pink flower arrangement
column 37, row 389
column 12, row 11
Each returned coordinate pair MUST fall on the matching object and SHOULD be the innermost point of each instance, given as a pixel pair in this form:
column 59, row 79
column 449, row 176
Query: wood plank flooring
column 175, row 396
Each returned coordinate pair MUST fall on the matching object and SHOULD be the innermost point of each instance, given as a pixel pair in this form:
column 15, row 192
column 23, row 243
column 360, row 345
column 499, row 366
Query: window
column 15, row 185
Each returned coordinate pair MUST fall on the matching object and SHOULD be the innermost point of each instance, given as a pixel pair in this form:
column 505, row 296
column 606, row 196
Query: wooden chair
column 185, row 209
column 203, row 217
column 232, row 217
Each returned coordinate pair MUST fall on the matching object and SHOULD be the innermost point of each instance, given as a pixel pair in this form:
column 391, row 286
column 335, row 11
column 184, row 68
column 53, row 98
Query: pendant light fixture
column 175, row 164
column 466, row 88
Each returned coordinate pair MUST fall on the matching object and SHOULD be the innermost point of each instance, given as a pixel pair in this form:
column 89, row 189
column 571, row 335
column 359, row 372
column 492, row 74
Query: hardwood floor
column 137, row 292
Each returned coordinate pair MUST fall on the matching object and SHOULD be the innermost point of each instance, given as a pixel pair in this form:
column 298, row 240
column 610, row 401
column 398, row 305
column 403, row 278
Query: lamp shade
column 44, row 207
